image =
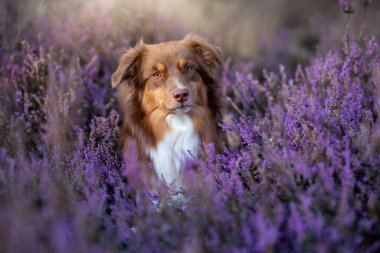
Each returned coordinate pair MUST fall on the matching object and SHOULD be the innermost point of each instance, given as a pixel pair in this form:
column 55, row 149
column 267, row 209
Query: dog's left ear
column 129, row 64
column 209, row 56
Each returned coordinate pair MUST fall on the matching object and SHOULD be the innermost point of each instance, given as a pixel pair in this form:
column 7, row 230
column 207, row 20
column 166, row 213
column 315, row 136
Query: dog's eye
column 188, row 68
column 157, row 74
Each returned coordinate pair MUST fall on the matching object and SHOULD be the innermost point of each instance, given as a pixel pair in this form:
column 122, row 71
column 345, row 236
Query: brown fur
column 148, row 74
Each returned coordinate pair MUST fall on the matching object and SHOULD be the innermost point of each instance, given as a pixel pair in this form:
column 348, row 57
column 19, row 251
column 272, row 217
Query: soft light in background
column 266, row 31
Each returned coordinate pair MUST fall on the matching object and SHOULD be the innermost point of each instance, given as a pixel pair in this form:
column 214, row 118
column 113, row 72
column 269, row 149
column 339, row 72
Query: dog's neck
column 179, row 143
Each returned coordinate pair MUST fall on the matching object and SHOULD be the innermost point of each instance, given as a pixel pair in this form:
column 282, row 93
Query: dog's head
column 170, row 77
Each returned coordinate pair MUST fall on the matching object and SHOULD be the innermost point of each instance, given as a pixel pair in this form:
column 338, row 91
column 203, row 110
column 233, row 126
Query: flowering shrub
column 304, row 177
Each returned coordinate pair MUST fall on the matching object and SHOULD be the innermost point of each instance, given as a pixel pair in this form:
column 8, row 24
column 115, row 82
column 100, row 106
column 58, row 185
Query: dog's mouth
column 181, row 109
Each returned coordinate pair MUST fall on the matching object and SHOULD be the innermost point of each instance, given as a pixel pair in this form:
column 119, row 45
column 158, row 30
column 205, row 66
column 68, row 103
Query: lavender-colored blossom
column 346, row 6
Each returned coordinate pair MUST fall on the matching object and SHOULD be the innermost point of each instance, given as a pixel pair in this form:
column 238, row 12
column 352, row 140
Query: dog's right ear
column 208, row 55
column 129, row 64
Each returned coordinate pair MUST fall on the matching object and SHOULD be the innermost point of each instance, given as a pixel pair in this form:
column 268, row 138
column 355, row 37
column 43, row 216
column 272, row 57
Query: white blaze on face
column 179, row 84
column 173, row 149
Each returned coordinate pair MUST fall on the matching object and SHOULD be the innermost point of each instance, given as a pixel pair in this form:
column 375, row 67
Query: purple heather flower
column 346, row 6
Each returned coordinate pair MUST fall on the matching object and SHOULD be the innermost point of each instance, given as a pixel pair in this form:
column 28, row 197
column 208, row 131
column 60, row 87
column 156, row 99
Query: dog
column 171, row 101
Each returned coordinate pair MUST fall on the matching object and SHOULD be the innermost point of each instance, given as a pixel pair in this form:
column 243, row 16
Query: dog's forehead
column 167, row 53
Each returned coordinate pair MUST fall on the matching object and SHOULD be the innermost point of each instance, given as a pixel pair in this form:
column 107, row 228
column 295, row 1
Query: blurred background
column 305, row 177
column 265, row 32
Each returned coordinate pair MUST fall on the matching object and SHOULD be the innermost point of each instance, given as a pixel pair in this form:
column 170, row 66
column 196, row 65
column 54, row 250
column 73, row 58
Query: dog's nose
column 180, row 94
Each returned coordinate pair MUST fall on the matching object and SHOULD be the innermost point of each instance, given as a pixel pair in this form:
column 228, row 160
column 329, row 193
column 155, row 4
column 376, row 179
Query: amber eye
column 188, row 68
column 157, row 74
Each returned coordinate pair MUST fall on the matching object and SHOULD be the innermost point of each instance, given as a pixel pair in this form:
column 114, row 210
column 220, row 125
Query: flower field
column 303, row 177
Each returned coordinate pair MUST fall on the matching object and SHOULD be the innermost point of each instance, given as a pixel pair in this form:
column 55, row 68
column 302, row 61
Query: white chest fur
column 174, row 148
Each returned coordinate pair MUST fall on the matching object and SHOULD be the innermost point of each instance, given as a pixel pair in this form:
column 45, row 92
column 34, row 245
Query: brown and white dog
column 171, row 102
